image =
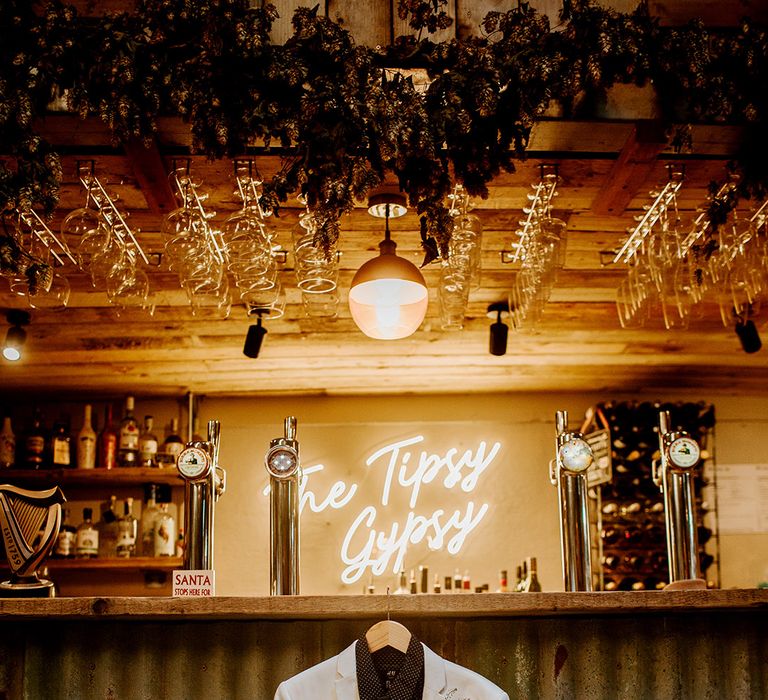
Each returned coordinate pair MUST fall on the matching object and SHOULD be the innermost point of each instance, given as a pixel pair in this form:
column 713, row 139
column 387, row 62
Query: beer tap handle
column 561, row 422
column 656, row 474
column 290, row 428
column 214, row 437
column 665, row 421
column 553, row 471
column 220, row 477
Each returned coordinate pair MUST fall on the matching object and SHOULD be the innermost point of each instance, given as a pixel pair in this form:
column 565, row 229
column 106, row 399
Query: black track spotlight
column 254, row 339
column 499, row 330
column 16, row 335
column 748, row 335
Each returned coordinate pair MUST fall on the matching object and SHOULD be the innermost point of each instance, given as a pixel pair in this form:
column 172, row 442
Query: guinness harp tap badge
column 30, row 522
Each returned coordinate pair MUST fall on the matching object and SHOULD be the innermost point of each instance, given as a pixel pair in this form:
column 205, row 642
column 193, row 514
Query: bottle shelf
column 128, row 564
column 94, row 477
column 124, row 564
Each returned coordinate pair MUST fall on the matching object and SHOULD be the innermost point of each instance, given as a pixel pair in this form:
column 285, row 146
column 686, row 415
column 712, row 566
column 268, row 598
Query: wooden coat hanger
column 388, row 633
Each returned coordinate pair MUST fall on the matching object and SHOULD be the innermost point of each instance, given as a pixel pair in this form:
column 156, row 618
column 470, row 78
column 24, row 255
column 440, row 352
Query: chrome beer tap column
column 198, row 464
column 568, row 471
column 284, row 468
column 674, row 473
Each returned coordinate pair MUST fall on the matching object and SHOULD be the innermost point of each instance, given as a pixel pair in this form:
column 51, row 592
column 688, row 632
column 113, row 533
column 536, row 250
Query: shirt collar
column 406, row 685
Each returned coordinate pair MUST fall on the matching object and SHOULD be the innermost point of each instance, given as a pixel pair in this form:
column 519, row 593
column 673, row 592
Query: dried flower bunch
column 340, row 120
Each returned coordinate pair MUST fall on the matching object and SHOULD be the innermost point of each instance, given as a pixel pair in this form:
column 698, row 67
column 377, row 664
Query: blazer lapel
column 434, row 676
column 346, row 675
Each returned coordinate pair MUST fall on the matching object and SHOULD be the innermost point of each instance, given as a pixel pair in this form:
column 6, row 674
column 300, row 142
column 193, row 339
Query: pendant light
column 388, row 296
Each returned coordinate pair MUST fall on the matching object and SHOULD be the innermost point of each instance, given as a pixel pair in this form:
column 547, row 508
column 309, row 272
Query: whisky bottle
column 412, row 582
column 7, row 445
column 148, row 444
column 436, row 584
column 128, row 443
column 127, row 530
column 87, row 537
column 61, row 447
column 34, row 443
column 86, row 442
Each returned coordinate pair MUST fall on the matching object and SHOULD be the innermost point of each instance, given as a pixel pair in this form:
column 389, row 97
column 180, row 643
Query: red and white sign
column 198, row 583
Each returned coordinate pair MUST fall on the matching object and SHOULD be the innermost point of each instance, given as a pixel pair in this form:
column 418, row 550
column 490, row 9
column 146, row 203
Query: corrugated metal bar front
column 708, row 655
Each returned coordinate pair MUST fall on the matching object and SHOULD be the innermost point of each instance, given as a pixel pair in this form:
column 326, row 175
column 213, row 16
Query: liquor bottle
column 7, row 445
column 108, row 441
column 128, row 443
column 107, row 528
column 532, row 584
column 164, row 534
column 466, row 583
column 402, row 586
column 448, row 584
column 65, row 542
column 34, row 443
column 503, row 586
column 148, row 514
column 424, row 575
column 370, row 589
column 436, row 584
column 127, row 530
column 518, row 580
column 523, row 576
column 148, row 444
column 61, row 447
column 86, row 442
column 87, row 537
column 456, row 581
column 412, row 585
column 173, row 443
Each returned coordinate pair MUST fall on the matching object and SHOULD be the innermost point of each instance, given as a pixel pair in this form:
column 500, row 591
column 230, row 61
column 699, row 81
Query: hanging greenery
column 341, row 118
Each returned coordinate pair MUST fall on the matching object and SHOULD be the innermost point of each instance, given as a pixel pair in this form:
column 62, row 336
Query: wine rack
column 630, row 525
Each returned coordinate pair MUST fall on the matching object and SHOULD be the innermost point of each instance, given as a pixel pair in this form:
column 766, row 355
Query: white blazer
column 336, row 679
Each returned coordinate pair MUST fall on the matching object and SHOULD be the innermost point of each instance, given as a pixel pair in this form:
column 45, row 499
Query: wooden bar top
column 471, row 605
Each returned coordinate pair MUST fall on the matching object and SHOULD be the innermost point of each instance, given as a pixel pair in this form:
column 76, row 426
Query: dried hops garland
column 342, row 120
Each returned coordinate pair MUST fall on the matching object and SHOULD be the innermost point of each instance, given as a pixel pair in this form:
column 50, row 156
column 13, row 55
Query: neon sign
column 370, row 545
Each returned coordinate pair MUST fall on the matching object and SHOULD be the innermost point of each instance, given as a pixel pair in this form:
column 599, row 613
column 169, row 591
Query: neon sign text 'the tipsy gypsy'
column 369, row 544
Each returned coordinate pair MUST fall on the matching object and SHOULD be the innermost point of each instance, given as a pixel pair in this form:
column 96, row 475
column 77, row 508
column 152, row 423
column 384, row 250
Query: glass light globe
column 388, row 296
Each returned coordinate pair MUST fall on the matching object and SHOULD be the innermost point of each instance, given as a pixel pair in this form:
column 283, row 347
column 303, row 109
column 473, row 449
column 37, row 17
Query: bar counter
column 681, row 644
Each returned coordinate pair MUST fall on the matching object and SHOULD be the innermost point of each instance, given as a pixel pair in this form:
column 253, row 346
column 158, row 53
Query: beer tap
column 284, row 468
column 568, row 471
column 673, row 474
column 198, row 465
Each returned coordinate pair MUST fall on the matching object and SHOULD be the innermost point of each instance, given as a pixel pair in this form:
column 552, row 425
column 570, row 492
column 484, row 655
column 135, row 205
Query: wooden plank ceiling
column 606, row 169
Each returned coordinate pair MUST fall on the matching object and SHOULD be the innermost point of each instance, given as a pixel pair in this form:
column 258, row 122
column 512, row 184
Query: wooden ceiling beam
column 151, row 174
column 631, row 169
